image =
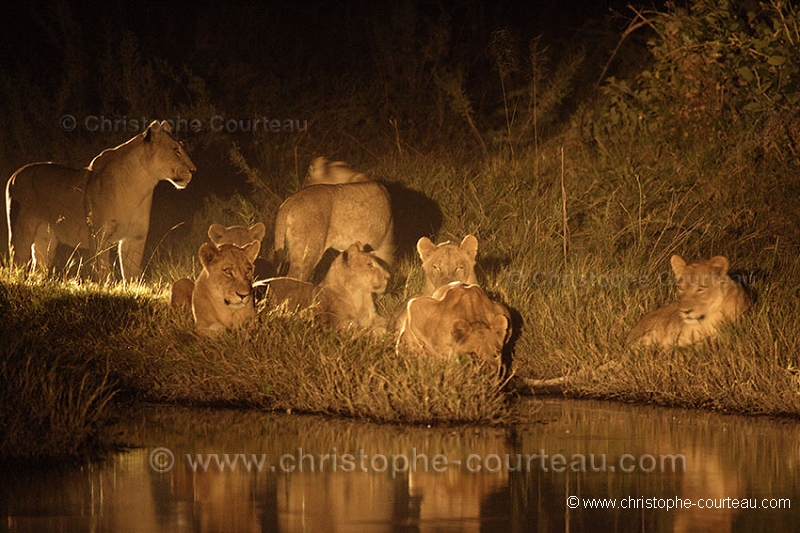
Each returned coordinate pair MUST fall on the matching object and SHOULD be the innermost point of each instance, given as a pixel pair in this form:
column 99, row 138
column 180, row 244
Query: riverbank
column 72, row 348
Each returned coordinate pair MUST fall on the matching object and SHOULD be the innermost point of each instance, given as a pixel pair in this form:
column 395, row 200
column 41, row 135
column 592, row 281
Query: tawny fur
column 707, row 298
column 447, row 262
column 181, row 290
column 345, row 297
column 107, row 203
column 327, row 215
column 456, row 320
column 324, row 171
column 223, row 294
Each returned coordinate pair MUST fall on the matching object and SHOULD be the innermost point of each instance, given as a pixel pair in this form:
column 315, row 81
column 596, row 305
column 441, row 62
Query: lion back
column 332, row 216
column 457, row 319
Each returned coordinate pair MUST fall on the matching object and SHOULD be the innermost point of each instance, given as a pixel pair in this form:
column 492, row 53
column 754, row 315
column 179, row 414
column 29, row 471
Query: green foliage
column 712, row 62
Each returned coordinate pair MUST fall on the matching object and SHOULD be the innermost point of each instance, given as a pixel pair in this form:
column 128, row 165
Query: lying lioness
column 181, row 291
column 707, row 298
column 344, row 298
column 223, row 294
column 458, row 319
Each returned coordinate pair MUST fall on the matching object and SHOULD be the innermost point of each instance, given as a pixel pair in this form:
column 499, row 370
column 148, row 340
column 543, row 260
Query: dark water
column 304, row 473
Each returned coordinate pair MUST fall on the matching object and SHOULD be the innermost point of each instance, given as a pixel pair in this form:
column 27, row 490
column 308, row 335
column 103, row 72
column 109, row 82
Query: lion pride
column 95, row 207
column 707, row 298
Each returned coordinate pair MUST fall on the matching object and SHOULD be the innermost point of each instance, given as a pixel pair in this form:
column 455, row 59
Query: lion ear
column 257, row 231
column 470, row 245
column 207, row 253
column 215, row 232
column 352, row 249
column 252, row 249
column 425, row 248
column 500, row 326
column 678, row 265
column 460, row 330
column 719, row 264
column 153, row 129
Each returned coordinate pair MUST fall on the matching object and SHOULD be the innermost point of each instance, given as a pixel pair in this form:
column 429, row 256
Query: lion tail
column 279, row 255
column 10, row 205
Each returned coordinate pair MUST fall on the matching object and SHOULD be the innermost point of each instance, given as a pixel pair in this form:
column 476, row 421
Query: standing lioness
column 323, row 216
column 104, row 204
column 707, row 298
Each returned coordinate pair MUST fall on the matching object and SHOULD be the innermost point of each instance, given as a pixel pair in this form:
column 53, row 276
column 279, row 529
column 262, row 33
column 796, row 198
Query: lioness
column 95, row 207
column 324, row 171
column 457, row 319
column 181, row 290
column 707, row 297
column 346, row 294
column 326, row 216
column 344, row 298
column 223, row 294
column 447, row 262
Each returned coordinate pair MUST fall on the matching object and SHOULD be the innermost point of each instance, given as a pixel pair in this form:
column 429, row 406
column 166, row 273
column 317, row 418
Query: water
column 307, row 473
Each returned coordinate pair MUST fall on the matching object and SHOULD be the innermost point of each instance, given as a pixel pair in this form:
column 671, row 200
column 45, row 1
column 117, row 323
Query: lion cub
column 223, row 294
column 344, row 298
column 447, row 262
column 707, row 298
column 181, row 290
column 457, row 319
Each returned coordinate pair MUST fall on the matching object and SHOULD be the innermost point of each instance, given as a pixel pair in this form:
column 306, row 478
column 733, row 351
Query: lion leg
column 181, row 295
column 385, row 249
column 43, row 248
column 20, row 243
column 302, row 260
column 131, row 252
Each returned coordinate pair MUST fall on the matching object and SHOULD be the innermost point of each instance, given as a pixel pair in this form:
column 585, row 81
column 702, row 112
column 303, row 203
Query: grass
column 123, row 339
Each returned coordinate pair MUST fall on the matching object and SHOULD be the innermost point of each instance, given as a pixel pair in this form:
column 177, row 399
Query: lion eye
column 178, row 151
column 228, row 272
column 437, row 268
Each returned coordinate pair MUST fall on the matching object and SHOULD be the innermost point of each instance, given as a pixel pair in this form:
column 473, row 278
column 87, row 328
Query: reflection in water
column 306, row 473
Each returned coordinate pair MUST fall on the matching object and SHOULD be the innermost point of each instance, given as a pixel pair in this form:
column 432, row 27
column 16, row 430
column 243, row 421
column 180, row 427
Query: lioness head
column 237, row 235
column 702, row 287
column 480, row 341
column 358, row 270
column 166, row 155
column 230, row 271
column 324, row 171
column 448, row 262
